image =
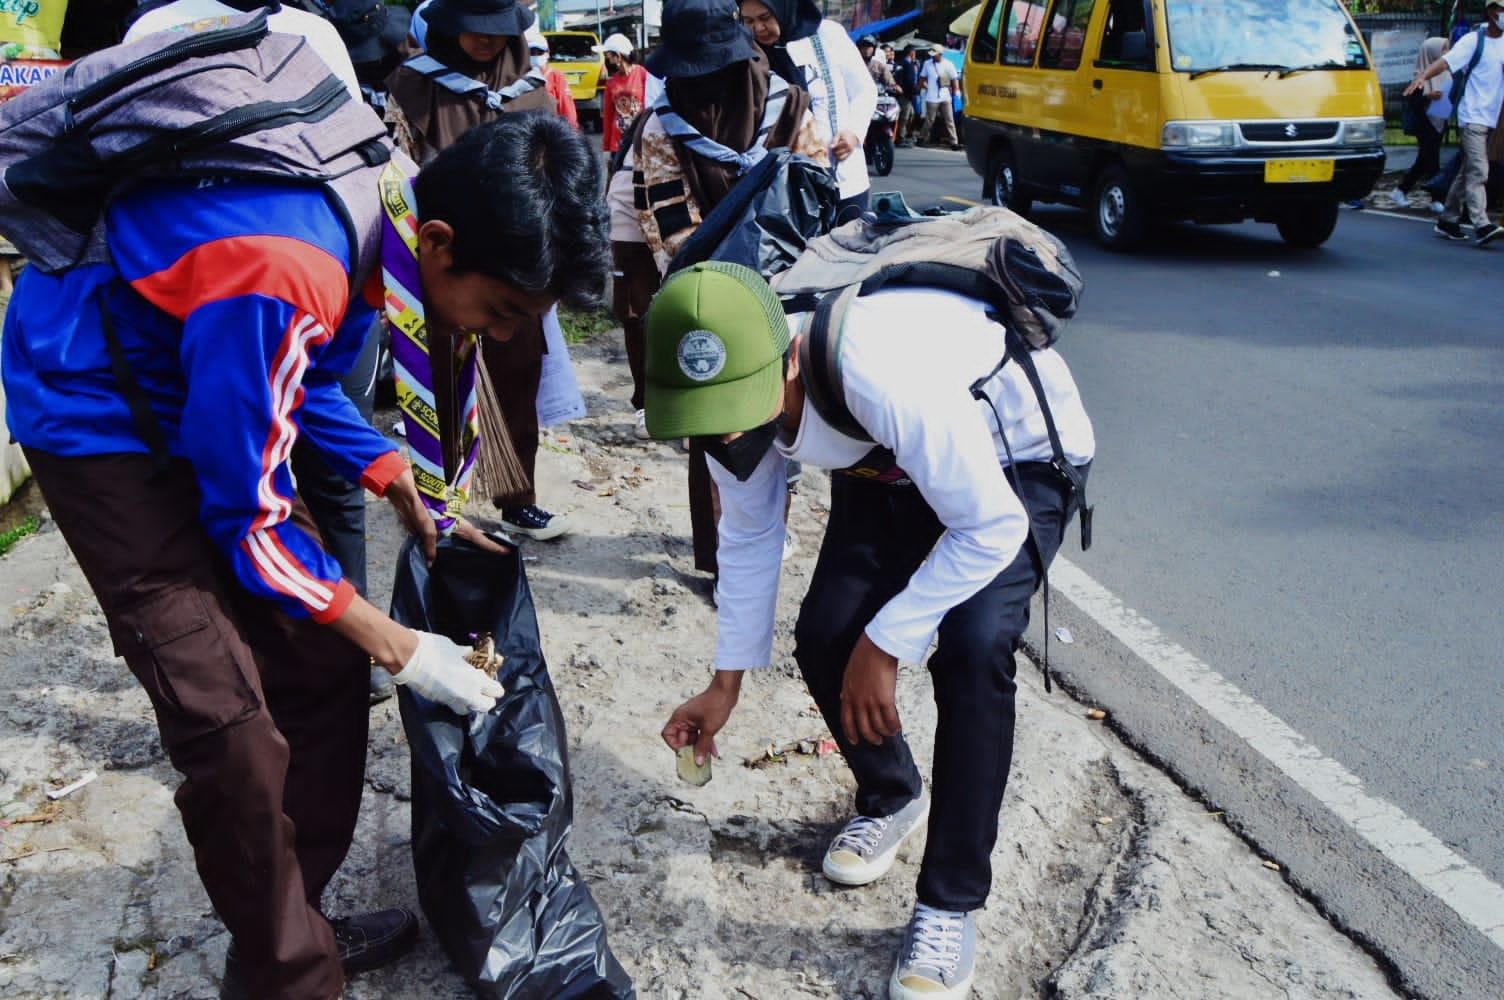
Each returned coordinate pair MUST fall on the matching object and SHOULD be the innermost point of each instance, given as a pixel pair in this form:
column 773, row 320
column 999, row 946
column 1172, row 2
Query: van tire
column 1308, row 225
column 1002, row 182
column 1118, row 215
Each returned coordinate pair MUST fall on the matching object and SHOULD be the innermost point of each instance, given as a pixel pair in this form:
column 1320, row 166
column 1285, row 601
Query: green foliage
column 580, row 325
column 14, row 535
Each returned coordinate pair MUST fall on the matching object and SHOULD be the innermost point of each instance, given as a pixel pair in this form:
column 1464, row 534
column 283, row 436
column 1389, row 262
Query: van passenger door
column 1068, row 96
column 1123, row 103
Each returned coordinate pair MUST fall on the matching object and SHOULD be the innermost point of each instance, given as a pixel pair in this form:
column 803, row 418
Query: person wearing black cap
column 818, row 55
column 477, row 67
column 721, row 109
column 373, row 34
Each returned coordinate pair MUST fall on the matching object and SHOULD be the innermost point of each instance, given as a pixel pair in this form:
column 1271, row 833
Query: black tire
column 1002, row 182
column 880, row 154
column 1118, row 214
column 1308, row 225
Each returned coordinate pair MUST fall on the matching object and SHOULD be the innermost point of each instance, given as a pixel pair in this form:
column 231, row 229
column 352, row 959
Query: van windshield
column 572, row 48
column 1208, row 36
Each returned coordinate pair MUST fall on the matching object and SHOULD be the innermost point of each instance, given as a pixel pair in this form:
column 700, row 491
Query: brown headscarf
column 727, row 106
column 438, row 116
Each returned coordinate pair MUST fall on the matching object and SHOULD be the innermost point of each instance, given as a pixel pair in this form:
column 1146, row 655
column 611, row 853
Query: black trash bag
column 492, row 804
column 767, row 217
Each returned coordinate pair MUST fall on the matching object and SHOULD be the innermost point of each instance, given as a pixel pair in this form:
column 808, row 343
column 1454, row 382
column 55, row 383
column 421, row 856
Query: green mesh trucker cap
column 716, row 339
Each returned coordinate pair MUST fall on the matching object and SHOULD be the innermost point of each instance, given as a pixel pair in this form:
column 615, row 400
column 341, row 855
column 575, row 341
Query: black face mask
column 741, row 456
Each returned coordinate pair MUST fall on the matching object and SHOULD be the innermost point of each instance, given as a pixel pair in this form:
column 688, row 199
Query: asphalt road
column 1299, row 491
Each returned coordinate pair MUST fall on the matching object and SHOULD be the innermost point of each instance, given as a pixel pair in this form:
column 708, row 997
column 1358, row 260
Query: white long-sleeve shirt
column 908, row 359
column 851, row 97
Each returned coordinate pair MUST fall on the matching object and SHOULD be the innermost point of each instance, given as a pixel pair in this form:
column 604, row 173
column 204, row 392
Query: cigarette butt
column 1272, row 865
column 69, row 789
column 1096, row 714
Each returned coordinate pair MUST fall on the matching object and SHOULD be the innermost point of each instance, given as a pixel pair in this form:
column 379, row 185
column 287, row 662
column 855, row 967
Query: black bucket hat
column 697, row 37
column 483, row 17
column 368, row 28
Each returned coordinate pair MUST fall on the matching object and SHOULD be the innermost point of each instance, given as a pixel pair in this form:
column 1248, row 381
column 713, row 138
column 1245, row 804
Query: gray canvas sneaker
column 864, row 851
column 938, row 957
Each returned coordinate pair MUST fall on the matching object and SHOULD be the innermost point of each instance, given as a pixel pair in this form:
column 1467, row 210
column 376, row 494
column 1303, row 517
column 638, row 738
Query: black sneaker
column 365, row 941
column 1450, row 228
column 368, row 941
column 534, row 522
column 1485, row 234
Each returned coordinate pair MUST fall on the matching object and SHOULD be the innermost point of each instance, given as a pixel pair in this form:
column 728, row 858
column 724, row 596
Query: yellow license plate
column 1298, row 171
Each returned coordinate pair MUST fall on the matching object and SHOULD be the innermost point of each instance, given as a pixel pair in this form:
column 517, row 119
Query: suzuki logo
column 1291, row 131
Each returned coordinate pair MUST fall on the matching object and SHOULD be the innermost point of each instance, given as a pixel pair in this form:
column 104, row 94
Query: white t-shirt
column 287, row 20
column 851, row 99
column 916, row 401
column 1485, row 88
column 938, row 75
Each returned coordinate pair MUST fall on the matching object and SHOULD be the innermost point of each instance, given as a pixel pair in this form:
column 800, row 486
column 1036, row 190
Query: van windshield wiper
column 1237, row 66
column 1328, row 64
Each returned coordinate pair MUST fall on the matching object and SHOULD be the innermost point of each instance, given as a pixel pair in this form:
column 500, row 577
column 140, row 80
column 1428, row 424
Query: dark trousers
column 264, row 715
column 876, row 538
column 1427, row 156
column 632, row 286
column 516, row 368
column 704, row 510
column 337, row 505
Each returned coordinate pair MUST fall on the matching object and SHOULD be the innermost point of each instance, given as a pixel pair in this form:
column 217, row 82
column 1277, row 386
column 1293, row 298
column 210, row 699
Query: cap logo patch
column 702, row 355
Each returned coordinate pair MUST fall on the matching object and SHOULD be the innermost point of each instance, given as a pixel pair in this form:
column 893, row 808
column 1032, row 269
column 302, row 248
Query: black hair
column 523, row 195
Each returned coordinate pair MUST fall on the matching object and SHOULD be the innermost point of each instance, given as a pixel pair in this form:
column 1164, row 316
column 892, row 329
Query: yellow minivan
column 1146, row 110
column 573, row 54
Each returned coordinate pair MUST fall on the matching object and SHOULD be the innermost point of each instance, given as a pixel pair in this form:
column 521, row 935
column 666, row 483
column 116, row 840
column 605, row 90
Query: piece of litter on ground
column 1272, row 865
column 582, row 484
column 57, row 793
column 1104, row 820
column 1064, row 635
column 1274, row 274
column 1096, row 714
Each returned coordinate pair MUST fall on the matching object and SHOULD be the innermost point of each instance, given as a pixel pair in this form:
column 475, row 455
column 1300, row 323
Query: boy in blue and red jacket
column 231, row 302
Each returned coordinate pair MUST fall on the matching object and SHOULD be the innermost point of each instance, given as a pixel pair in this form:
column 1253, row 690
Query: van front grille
column 1267, row 131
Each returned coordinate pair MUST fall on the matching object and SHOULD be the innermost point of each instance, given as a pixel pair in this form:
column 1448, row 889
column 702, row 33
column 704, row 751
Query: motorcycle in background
column 880, row 134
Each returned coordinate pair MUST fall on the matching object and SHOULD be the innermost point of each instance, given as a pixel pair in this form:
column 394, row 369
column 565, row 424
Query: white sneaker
column 1437, row 208
column 1399, row 199
column 938, row 958
column 865, row 850
column 399, row 428
column 641, row 430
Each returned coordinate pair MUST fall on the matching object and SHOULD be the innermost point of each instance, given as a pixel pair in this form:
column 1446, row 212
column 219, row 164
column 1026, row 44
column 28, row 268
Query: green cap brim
column 714, row 410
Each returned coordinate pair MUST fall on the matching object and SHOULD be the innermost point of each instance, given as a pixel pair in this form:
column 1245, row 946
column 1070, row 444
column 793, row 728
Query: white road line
column 1467, row 890
column 1429, row 219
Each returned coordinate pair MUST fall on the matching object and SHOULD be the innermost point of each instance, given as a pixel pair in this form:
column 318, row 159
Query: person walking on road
column 1432, row 108
column 938, row 78
column 935, row 541
column 910, row 95
column 1477, row 115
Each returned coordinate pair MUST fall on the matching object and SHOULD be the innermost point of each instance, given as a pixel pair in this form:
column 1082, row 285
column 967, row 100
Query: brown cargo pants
column 264, row 715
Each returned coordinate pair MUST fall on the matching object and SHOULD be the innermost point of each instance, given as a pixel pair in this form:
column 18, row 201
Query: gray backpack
column 237, row 100
column 989, row 254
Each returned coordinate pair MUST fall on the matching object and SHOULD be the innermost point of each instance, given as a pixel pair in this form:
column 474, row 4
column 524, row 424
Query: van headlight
column 1198, row 135
column 1362, row 130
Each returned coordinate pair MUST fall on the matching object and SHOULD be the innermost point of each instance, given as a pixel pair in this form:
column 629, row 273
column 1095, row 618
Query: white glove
column 438, row 671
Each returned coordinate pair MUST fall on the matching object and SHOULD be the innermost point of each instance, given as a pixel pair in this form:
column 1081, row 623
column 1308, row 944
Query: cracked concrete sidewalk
column 1109, row 881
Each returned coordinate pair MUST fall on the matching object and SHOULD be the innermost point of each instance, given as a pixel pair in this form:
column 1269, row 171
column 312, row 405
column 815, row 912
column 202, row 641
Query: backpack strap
column 823, row 65
column 459, row 83
column 683, row 131
column 148, row 427
column 820, row 361
column 1467, row 73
